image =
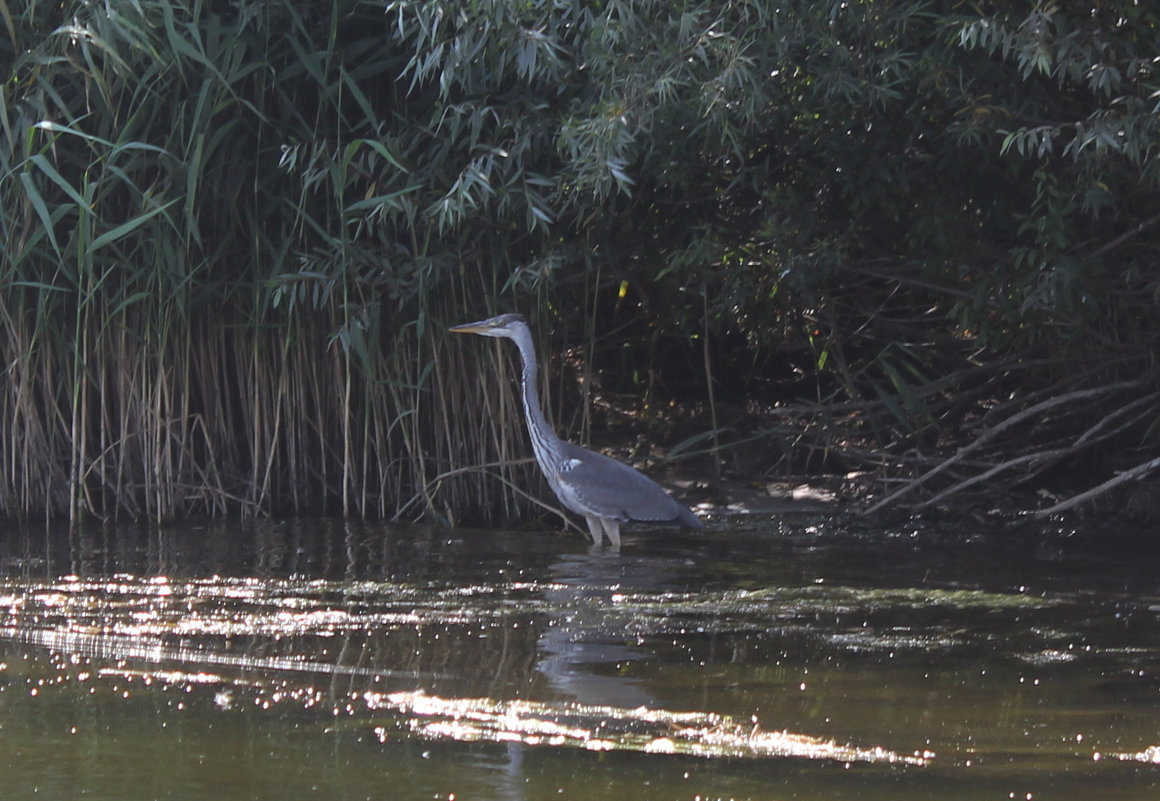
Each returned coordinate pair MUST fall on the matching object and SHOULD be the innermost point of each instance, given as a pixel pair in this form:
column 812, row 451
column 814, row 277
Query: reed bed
column 230, row 252
column 246, row 420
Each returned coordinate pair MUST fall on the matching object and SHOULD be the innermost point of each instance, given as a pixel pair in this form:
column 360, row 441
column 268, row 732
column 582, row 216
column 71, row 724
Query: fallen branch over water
column 1034, row 413
column 977, row 437
column 1136, row 472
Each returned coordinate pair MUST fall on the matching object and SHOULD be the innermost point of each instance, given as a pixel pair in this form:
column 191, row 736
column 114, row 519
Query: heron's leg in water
column 612, row 529
column 595, row 529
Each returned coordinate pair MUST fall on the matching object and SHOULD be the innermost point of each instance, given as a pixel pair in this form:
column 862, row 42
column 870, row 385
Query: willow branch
column 1095, row 492
column 1124, row 237
column 991, row 433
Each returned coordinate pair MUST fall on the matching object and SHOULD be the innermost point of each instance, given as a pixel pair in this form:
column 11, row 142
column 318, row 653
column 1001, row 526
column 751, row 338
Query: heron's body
column 602, row 490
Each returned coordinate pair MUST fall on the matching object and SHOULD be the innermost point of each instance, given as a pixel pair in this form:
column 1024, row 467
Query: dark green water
column 800, row 658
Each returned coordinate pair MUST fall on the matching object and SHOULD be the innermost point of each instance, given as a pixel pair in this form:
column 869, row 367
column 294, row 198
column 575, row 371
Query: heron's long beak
column 471, row 328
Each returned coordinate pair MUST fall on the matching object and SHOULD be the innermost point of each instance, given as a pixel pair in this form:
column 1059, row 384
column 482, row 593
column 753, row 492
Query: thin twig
column 1094, row 492
column 1124, row 237
column 485, row 469
column 993, row 432
column 1096, row 434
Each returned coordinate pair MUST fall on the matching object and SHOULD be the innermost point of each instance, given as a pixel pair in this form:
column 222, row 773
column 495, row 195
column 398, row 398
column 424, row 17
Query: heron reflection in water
column 604, row 491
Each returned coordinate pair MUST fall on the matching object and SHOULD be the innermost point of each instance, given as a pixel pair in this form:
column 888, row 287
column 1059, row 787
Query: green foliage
column 1073, row 95
column 203, row 203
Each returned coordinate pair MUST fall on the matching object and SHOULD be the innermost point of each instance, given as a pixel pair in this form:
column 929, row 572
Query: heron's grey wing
column 603, row 487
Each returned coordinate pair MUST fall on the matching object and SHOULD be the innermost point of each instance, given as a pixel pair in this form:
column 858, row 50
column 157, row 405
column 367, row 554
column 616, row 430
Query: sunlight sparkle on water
column 605, row 728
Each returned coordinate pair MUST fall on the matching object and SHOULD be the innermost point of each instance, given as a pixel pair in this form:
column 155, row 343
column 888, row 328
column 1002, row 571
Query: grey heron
column 604, row 491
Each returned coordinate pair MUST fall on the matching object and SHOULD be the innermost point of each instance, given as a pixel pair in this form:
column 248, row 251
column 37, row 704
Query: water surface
column 801, row 657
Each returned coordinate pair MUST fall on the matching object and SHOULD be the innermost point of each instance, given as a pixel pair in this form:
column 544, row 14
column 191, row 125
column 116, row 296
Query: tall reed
column 232, row 235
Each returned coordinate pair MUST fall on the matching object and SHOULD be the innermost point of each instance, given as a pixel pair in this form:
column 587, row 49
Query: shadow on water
column 801, row 657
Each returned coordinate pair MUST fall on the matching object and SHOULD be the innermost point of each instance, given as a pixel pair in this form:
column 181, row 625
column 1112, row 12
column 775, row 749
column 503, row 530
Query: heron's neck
column 544, row 439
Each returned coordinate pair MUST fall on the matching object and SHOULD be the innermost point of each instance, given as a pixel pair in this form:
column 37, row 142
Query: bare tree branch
column 1095, row 492
column 994, row 431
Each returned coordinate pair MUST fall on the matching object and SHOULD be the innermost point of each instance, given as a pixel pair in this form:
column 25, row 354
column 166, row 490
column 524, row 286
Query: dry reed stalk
column 149, row 370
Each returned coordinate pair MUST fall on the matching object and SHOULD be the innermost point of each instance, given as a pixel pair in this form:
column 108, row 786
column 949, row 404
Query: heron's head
column 503, row 325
